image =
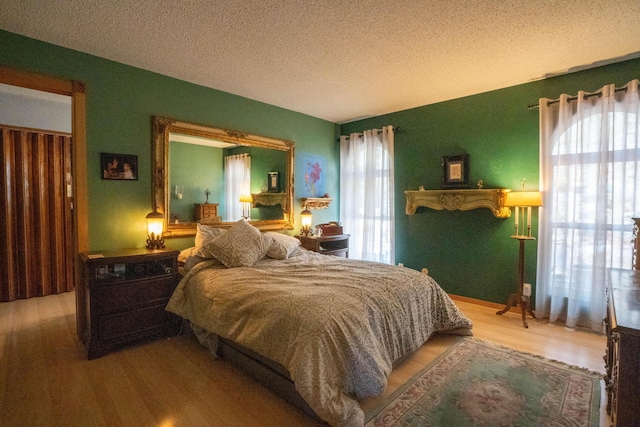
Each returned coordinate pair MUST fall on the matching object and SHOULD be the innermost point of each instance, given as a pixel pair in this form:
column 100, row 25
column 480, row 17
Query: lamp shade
column 155, row 223
column 523, row 198
column 246, row 198
column 306, row 218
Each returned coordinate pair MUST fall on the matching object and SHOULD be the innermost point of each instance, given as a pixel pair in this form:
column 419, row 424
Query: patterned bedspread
column 336, row 324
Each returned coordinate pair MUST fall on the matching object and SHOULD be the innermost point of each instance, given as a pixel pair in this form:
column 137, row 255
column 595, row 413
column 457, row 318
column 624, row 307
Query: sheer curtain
column 366, row 194
column 589, row 167
column 237, row 181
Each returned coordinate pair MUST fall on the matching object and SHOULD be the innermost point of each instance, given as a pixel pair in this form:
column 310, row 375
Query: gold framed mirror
column 183, row 203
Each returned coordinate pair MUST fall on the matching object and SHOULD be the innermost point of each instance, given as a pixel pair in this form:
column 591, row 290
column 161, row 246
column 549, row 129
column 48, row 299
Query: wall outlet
column 526, row 289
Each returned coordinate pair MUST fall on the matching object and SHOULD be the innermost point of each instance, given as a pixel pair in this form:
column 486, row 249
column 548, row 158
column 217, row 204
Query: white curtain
column 366, row 194
column 237, row 181
column 589, row 167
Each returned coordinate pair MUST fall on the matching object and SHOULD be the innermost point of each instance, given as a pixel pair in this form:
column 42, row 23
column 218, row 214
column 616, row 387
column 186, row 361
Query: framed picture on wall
column 455, row 171
column 119, row 166
column 274, row 182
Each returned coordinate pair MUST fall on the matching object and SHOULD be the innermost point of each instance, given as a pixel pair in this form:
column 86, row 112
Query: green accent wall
column 121, row 101
column 470, row 253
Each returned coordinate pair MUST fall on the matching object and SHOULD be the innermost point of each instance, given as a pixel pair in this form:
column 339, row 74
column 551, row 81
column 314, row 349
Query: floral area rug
column 475, row 383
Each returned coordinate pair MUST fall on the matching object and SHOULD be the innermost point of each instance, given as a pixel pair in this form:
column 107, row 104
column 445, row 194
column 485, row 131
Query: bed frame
column 268, row 373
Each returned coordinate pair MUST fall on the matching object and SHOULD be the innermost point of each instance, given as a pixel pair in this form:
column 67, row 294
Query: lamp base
column 518, row 298
column 525, row 306
column 155, row 242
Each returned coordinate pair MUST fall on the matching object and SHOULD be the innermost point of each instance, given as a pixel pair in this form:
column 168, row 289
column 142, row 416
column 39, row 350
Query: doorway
column 77, row 187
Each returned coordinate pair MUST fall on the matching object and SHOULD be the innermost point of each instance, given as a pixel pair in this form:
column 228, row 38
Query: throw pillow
column 241, row 246
column 283, row 245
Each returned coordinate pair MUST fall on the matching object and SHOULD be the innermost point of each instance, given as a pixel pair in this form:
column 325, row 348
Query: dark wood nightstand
column 328, row 245
column 125, row 293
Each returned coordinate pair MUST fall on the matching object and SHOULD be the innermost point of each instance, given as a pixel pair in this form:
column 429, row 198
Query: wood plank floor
column 46, row 379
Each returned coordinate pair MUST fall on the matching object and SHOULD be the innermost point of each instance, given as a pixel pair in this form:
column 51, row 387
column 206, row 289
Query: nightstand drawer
column 122, row 296
column 130, row 325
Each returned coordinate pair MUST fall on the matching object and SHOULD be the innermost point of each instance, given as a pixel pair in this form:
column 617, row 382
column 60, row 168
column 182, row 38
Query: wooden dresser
column 622, row 359
column 329, row 245
column 206, row 212
column 126, row 293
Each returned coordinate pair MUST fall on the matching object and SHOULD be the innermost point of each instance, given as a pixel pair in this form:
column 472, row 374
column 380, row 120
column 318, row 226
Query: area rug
column 475, row 383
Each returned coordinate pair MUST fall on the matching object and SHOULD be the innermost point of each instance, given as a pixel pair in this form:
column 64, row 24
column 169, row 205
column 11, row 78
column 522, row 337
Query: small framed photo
column 273, row 182
column 455, row 171
column 119, row 166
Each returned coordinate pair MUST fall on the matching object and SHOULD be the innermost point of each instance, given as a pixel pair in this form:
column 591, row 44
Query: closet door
column 36, row 240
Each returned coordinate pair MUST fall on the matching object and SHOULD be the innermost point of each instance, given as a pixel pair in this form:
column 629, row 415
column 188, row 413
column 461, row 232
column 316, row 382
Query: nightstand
column 328, row 245
column 126, row 292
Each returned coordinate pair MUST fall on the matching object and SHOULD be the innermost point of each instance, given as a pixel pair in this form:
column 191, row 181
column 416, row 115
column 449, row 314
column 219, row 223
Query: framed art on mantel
column 455, row 171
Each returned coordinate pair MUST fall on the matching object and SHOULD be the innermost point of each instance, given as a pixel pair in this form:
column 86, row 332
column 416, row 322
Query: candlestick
column 517, row 210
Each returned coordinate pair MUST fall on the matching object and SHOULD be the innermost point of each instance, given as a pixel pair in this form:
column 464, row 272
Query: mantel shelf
column 316, row 202
column 463, row 200
column 270, row 199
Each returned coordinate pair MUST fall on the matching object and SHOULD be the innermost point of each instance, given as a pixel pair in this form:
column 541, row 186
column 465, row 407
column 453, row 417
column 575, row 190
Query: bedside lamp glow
column 306, row 219
column 155, row 230
column 521, row 200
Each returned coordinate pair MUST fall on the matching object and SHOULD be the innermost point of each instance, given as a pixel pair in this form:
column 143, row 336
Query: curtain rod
column 395, row 129
column 573, row 98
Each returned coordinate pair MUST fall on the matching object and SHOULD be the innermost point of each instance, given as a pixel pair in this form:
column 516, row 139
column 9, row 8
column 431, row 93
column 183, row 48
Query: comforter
column 336, row 324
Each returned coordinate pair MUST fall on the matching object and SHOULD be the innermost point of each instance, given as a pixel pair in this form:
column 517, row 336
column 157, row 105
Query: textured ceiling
column 341, row 59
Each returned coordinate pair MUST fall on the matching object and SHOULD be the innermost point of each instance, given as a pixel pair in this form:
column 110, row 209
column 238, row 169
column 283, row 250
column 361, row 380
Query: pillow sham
column 283, row 245
column 241, row 246
column 204, row 235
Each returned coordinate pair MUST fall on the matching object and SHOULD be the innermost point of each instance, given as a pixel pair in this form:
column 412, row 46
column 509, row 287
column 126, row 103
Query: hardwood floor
column 46, row 379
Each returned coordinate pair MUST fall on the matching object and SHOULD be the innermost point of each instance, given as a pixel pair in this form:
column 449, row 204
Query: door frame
column 77, row 91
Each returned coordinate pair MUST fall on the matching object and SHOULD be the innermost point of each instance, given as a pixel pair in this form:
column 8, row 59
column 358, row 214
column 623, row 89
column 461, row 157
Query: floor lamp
column 522, row 202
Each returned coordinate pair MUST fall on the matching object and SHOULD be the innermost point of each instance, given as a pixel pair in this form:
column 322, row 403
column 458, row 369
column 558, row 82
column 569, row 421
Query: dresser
column 622, row 359
column 206, row 212
column 126, row 292
column 329, row 245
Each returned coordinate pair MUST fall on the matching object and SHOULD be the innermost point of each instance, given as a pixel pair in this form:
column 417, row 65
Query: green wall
column 470, row 253
column 196, row 168
column 121, row 101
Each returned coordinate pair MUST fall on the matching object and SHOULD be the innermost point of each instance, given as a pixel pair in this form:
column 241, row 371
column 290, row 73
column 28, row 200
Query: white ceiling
column 341, row 59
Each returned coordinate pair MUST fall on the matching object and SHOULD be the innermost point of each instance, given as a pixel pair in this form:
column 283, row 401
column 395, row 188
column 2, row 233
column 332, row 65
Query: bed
column 331, row 326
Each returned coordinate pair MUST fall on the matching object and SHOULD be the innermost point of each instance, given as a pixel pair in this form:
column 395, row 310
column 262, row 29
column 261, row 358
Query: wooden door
column 36, row 235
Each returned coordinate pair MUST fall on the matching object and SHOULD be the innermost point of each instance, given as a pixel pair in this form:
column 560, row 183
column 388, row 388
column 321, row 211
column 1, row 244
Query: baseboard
column 483, row 303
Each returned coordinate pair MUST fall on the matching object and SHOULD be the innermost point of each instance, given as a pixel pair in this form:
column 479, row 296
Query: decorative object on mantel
column 455, row 171
column 521, row 200
column 316, row 202
column 480, row 184
column 464, row 200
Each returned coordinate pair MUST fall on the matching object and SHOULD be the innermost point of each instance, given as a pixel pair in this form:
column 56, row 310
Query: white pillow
column 283, row 245
column 186, row 253
column 241, row 246
column 204, row 235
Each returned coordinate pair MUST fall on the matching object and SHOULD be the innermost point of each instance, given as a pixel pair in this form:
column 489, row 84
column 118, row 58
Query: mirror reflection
column 215, row 176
